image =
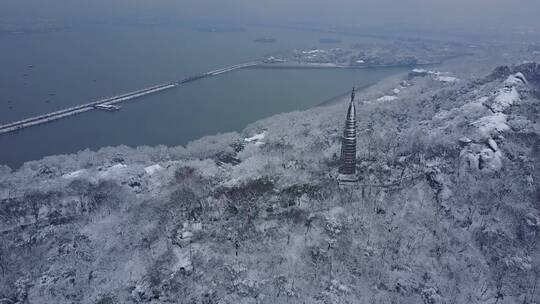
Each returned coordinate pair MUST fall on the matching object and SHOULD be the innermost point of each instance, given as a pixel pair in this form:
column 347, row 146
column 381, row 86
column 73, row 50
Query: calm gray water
column 81, row 64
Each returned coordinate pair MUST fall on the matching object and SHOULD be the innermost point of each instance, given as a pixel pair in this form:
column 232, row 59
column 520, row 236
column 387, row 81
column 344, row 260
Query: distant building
column 347, row 170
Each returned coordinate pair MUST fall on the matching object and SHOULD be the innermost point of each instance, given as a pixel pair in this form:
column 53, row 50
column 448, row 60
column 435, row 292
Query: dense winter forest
column 446, row 211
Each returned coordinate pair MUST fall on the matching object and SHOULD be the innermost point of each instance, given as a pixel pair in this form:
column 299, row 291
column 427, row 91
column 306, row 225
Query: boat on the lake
column 106, row 107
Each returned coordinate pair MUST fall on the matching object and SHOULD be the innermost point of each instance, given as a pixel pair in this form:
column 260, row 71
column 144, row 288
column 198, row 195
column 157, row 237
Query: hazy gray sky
column 340, row 12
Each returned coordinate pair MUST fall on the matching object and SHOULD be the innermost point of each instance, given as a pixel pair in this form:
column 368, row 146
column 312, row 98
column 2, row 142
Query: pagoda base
column 347, row 179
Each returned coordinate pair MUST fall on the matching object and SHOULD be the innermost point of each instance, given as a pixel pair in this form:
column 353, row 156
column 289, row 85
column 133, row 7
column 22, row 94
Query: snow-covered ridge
column 448, row 188
column 508, row 95
column 488, row 156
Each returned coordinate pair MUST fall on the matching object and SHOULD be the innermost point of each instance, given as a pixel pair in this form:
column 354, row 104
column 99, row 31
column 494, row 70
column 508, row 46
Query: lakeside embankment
column 368, row 90
column 334, row 66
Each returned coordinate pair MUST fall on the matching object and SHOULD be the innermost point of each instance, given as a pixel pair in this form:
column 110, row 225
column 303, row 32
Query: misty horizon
column 476, row 15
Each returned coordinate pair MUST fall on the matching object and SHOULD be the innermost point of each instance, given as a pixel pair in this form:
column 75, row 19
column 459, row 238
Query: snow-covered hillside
column 447, row 209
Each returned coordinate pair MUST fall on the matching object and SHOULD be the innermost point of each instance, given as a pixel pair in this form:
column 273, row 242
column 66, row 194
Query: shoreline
column 364, row 91
column 308, row 66
column 327, row 102
column 341, row 97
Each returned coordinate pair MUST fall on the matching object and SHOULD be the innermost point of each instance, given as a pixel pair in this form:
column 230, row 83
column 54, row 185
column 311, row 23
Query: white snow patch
column 151, row 170
column 446, row 79
column 183, row 259
column 465, row 140
column 113, row 170
column 492, row 125
column 474, row 109
column 360, row 61
column 491, row 161
column 422, row 71
column 492, row 144
column 336, row 285
column 313, row 51
column 532, row 220
column 117, row 167
column 386, row 98
column 73, row 174
column 256, row 139
column 505, row 98
column 470, row 159
column 396, row 91
column 523, row 263
column 430, row 295
column 515, row 80
column 439, row 76
column 405, row 84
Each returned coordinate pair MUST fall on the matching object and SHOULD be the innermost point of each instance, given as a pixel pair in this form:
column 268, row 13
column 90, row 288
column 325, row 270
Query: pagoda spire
column 347, row 170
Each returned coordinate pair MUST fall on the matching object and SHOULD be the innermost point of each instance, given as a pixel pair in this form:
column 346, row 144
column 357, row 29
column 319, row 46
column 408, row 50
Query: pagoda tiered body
column 347, row 170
